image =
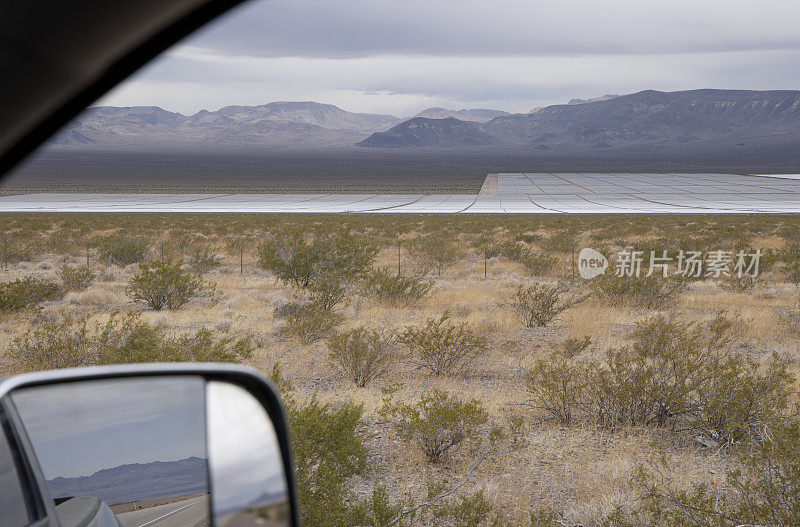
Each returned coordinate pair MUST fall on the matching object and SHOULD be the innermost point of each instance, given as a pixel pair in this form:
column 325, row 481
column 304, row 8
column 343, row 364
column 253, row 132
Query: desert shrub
column 545, row 517
column 572, row 347
column 76, row 278
column 738, row 400
column 508, row 249
column 327, row 292
column 362, row 354
column 651, row 292
column 738, row 284
column 790, row 316
column 792, row 271
column 539, row 304
column 66, row 344
column 122, row 250
column 325, row 258
column 468, row 511
column 14, row 249
column 73, row 342
column 309, row 321
column 438, row 422
column 378, row 510
column 763, row 490
column 651, row 381
column 329, row 448
column 539, row 264
column 25, row 293
column 395, row 290
column 433, row 253
column 166, row 285
column 442, row 347
column 559, row 242
column 557, row 384
column 202, row 260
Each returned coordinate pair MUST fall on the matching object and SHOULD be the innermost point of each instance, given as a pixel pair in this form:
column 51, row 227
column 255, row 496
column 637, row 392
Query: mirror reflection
column 130, row 450
column 247, row 472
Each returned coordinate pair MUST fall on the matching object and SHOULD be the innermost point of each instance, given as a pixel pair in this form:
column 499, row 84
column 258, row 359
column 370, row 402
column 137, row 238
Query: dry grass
column 580, row 471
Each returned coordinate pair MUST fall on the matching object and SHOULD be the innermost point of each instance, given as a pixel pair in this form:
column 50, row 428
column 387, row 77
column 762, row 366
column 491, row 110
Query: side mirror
column 155, row 445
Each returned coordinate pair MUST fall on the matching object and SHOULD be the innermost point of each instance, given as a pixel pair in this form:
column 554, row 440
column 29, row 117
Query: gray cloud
column 357, row 28
column 391, row 56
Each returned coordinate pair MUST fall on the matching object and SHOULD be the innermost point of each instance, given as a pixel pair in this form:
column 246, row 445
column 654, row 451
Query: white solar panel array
column 523, row 193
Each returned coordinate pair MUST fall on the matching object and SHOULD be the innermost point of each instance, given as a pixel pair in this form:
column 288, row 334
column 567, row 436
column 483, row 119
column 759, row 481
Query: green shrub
column 433, row 253
column 13, row 249
column 309, row 321
column 739, row 401
column 559, row 242
column 538, row 305
column 362, row 354
column 123, row 250
column 325, row 258
column 539, row 264
column 327, row 293
column 395, row 290
column 73, row 342
column 651, row 292
column 329, row 448
column 557, row 385
column 672, row 374
column 76, row 278
column 763, row 490
column 652, row 381
column 49, row 346
column 792, row 271
column 165, row 285
column 442, row 347
column 469, row 511
column 25, row 293
column 736, row 284
column 438, row 422
column 202, row 260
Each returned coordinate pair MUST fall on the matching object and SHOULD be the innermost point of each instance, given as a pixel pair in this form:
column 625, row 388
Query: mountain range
column 137, row 481
column 708, row 120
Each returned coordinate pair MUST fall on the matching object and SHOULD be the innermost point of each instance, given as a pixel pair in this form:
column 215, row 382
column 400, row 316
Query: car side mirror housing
column 160, row 445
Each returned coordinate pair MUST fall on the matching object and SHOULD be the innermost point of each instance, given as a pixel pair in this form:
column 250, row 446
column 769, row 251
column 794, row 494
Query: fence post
column 162, row 251
column 87, row 255
column 485, row 257
column 398, row 258
column 573, row 260
column 241, row 258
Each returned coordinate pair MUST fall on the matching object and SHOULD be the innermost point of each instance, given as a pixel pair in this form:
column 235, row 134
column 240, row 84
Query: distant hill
column 436, row 133
column 707, row 119
column 656, row 118
column 303, row 124
column 479, row 115
column 137, row 481
column 697, row 122
column 593, row 99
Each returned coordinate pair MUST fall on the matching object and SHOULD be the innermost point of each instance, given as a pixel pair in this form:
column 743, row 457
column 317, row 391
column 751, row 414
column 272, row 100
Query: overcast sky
column 401, row 56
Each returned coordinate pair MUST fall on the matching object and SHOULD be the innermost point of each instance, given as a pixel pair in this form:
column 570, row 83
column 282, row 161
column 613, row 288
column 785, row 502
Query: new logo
column 591, row 263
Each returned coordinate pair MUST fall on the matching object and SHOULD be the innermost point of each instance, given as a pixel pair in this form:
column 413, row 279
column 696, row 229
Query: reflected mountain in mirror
column 138, row 445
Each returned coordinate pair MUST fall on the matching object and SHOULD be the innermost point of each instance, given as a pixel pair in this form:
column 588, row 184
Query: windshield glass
column 509, row 263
